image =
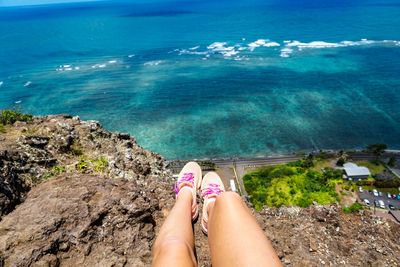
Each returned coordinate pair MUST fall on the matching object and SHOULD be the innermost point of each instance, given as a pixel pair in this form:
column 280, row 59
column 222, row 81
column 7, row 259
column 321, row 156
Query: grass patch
column 293, row 184
column 30, row 131
column 8, row 116
column 2, row 128
column 374, row 166
column 100, row 164
column 76, row 149
column 320, row 164
column 55, row 170
column 82, row 165
column 356, row 207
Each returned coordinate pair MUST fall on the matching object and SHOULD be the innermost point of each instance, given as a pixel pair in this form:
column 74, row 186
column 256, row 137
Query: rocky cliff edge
column 74, row 194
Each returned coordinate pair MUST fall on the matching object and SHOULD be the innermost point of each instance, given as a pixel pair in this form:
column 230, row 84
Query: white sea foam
column 100, row 66
column 223, row 49
column 1, row 83
column 230, row 53
column 262, row 42
column 28, row 83
column 153, row 63
column 285, row 52
column 67, row 67
column 217, row 46
column 321, row 45
column 131, row 56
column 18, row 102
column 288, row 47
column 112, row 61
column 190, row 52
column 314, row 44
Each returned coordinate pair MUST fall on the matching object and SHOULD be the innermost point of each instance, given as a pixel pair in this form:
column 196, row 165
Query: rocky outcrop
column 325, row 236
column 82, row 220
column 39, row 150
column 74, row 194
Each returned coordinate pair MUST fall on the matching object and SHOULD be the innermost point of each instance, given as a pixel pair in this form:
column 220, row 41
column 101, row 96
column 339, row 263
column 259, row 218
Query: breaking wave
column 233, row 50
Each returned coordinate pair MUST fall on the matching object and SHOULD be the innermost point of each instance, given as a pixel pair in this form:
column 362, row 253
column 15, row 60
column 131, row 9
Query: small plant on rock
column 356, row 207
column 8, row 116
column 100, row 164
column 76, row 149
column 82, row 165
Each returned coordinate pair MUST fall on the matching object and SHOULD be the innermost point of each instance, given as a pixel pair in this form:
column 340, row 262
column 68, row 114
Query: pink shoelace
column 212, row 189
column 187, row 178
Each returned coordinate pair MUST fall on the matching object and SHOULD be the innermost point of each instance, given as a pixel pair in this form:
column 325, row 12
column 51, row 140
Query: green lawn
column 320, row 164
column 375, row 167
column 291, row 185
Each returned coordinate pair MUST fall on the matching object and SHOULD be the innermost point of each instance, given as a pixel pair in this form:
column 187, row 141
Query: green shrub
column 305, row 163
column 82, row 165
column 2, row 128
column 56, row 170
column 291, row 185
column 392, row 162
column 369, row 181
column 8, row 116
column 356, row 207
column 75, row 149
column 100, row 164
column 387, row 183
column 340, row 162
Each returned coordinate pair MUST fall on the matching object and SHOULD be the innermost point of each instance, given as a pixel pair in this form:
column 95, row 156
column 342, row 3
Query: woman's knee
column 174, row 244
column 173, row 249
column 229, row 197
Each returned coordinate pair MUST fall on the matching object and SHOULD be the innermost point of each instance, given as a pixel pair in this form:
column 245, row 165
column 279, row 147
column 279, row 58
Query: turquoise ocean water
column 196, row 79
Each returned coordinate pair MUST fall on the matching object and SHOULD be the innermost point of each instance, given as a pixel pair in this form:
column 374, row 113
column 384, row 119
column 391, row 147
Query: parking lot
column 370, row 196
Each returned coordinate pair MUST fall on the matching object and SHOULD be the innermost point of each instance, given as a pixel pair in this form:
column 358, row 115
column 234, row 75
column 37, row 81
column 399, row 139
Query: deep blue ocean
column 204, row 79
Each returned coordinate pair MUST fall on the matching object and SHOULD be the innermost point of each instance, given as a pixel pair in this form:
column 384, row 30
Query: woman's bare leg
column 234, row 236
column 174, row 245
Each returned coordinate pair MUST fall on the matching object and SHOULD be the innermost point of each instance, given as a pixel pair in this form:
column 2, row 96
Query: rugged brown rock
column 73, row 194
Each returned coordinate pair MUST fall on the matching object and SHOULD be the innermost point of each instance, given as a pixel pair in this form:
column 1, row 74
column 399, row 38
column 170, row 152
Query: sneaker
column 190, row 179
column 211, row 187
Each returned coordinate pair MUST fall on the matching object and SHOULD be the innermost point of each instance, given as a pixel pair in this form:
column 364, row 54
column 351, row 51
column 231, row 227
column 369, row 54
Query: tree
column 377, row 149
column 392, row 161
column 340, row 161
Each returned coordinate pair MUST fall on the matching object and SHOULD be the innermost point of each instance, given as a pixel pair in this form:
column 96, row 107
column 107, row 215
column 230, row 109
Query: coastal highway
column 258, row 161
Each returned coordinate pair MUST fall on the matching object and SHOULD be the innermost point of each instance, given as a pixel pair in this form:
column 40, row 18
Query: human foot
column 211, row 187
column 190, row 179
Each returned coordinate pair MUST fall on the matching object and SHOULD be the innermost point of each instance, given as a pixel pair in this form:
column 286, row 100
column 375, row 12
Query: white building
column 354, row 172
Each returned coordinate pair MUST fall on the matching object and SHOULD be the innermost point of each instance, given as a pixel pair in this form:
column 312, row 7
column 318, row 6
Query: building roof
column 352, row 169
column 350, row 165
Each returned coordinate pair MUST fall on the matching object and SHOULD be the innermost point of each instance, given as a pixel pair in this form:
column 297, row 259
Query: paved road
column 386, row 200
column 255, row 161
